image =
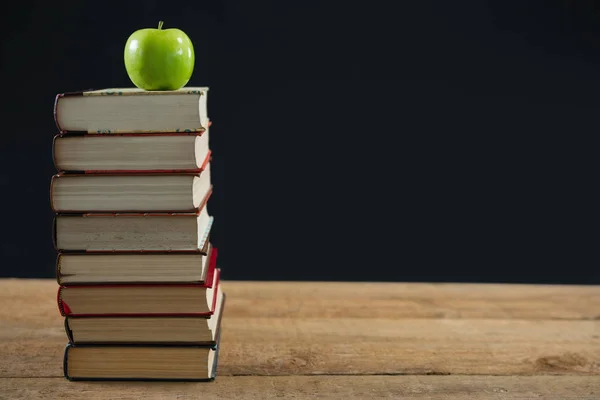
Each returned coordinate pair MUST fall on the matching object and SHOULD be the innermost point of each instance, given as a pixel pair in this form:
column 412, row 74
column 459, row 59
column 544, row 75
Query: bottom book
column 140, row 362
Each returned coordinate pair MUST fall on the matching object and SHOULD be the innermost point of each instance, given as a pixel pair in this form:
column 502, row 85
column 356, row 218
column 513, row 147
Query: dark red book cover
column 65, row 310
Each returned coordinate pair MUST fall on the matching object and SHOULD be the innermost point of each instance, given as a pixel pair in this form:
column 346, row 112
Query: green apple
column 159, row 59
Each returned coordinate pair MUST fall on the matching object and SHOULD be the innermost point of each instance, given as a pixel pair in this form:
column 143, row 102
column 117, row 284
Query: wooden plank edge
column 453, row 387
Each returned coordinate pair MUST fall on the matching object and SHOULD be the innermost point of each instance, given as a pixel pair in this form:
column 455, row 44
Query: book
column 96, row 362
column 132, row 110
column 131, row 268
column 191, row 330
column 130, row 192
column 140, row 299
column 130, row 152
column 115, row 232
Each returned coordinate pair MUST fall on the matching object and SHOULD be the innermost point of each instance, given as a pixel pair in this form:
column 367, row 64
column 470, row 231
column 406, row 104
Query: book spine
column 68, row 330
column 58, row 137
column 57, row 100
column 52, row 183
column 54, row 233
column 66, row 362
column 54, row 162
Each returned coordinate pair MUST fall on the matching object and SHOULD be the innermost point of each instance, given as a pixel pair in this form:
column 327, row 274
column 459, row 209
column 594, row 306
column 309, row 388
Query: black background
column 428, row 140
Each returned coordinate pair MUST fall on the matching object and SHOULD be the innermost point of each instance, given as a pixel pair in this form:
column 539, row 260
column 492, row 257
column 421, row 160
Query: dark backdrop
column 425, row 140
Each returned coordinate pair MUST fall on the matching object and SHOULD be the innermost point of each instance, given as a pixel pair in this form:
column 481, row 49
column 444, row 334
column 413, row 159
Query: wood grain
column 282, row 346
column 366, row 300
column 321, row 387
column 381, row 338
column 414, row 300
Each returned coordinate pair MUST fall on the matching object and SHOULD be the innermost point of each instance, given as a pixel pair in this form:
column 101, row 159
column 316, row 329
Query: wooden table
column 345, row 341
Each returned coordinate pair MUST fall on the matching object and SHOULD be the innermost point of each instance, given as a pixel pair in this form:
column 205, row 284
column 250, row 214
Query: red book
column 142, row 299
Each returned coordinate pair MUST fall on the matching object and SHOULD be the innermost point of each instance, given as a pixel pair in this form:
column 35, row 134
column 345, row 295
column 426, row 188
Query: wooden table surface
column 345, row 341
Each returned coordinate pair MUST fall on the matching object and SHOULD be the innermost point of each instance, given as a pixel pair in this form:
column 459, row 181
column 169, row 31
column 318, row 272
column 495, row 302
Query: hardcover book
column 201, row 330
column 129, row 232
column 126, row 152
column 130, row 192
column 140, row 300
column 90, row 268
column 132, row 110
column 95, row 362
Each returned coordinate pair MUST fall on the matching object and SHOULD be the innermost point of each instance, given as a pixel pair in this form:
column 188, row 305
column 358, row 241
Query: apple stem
column 160, row 24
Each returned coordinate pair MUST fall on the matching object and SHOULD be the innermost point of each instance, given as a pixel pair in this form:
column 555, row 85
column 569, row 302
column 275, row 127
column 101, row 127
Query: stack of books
column 137, row 272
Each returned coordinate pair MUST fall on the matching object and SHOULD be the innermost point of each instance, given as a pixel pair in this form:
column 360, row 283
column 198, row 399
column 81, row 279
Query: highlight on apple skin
column 159, row 59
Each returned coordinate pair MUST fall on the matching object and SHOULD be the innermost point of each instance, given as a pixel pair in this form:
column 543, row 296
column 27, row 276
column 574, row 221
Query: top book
column 132, row 110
